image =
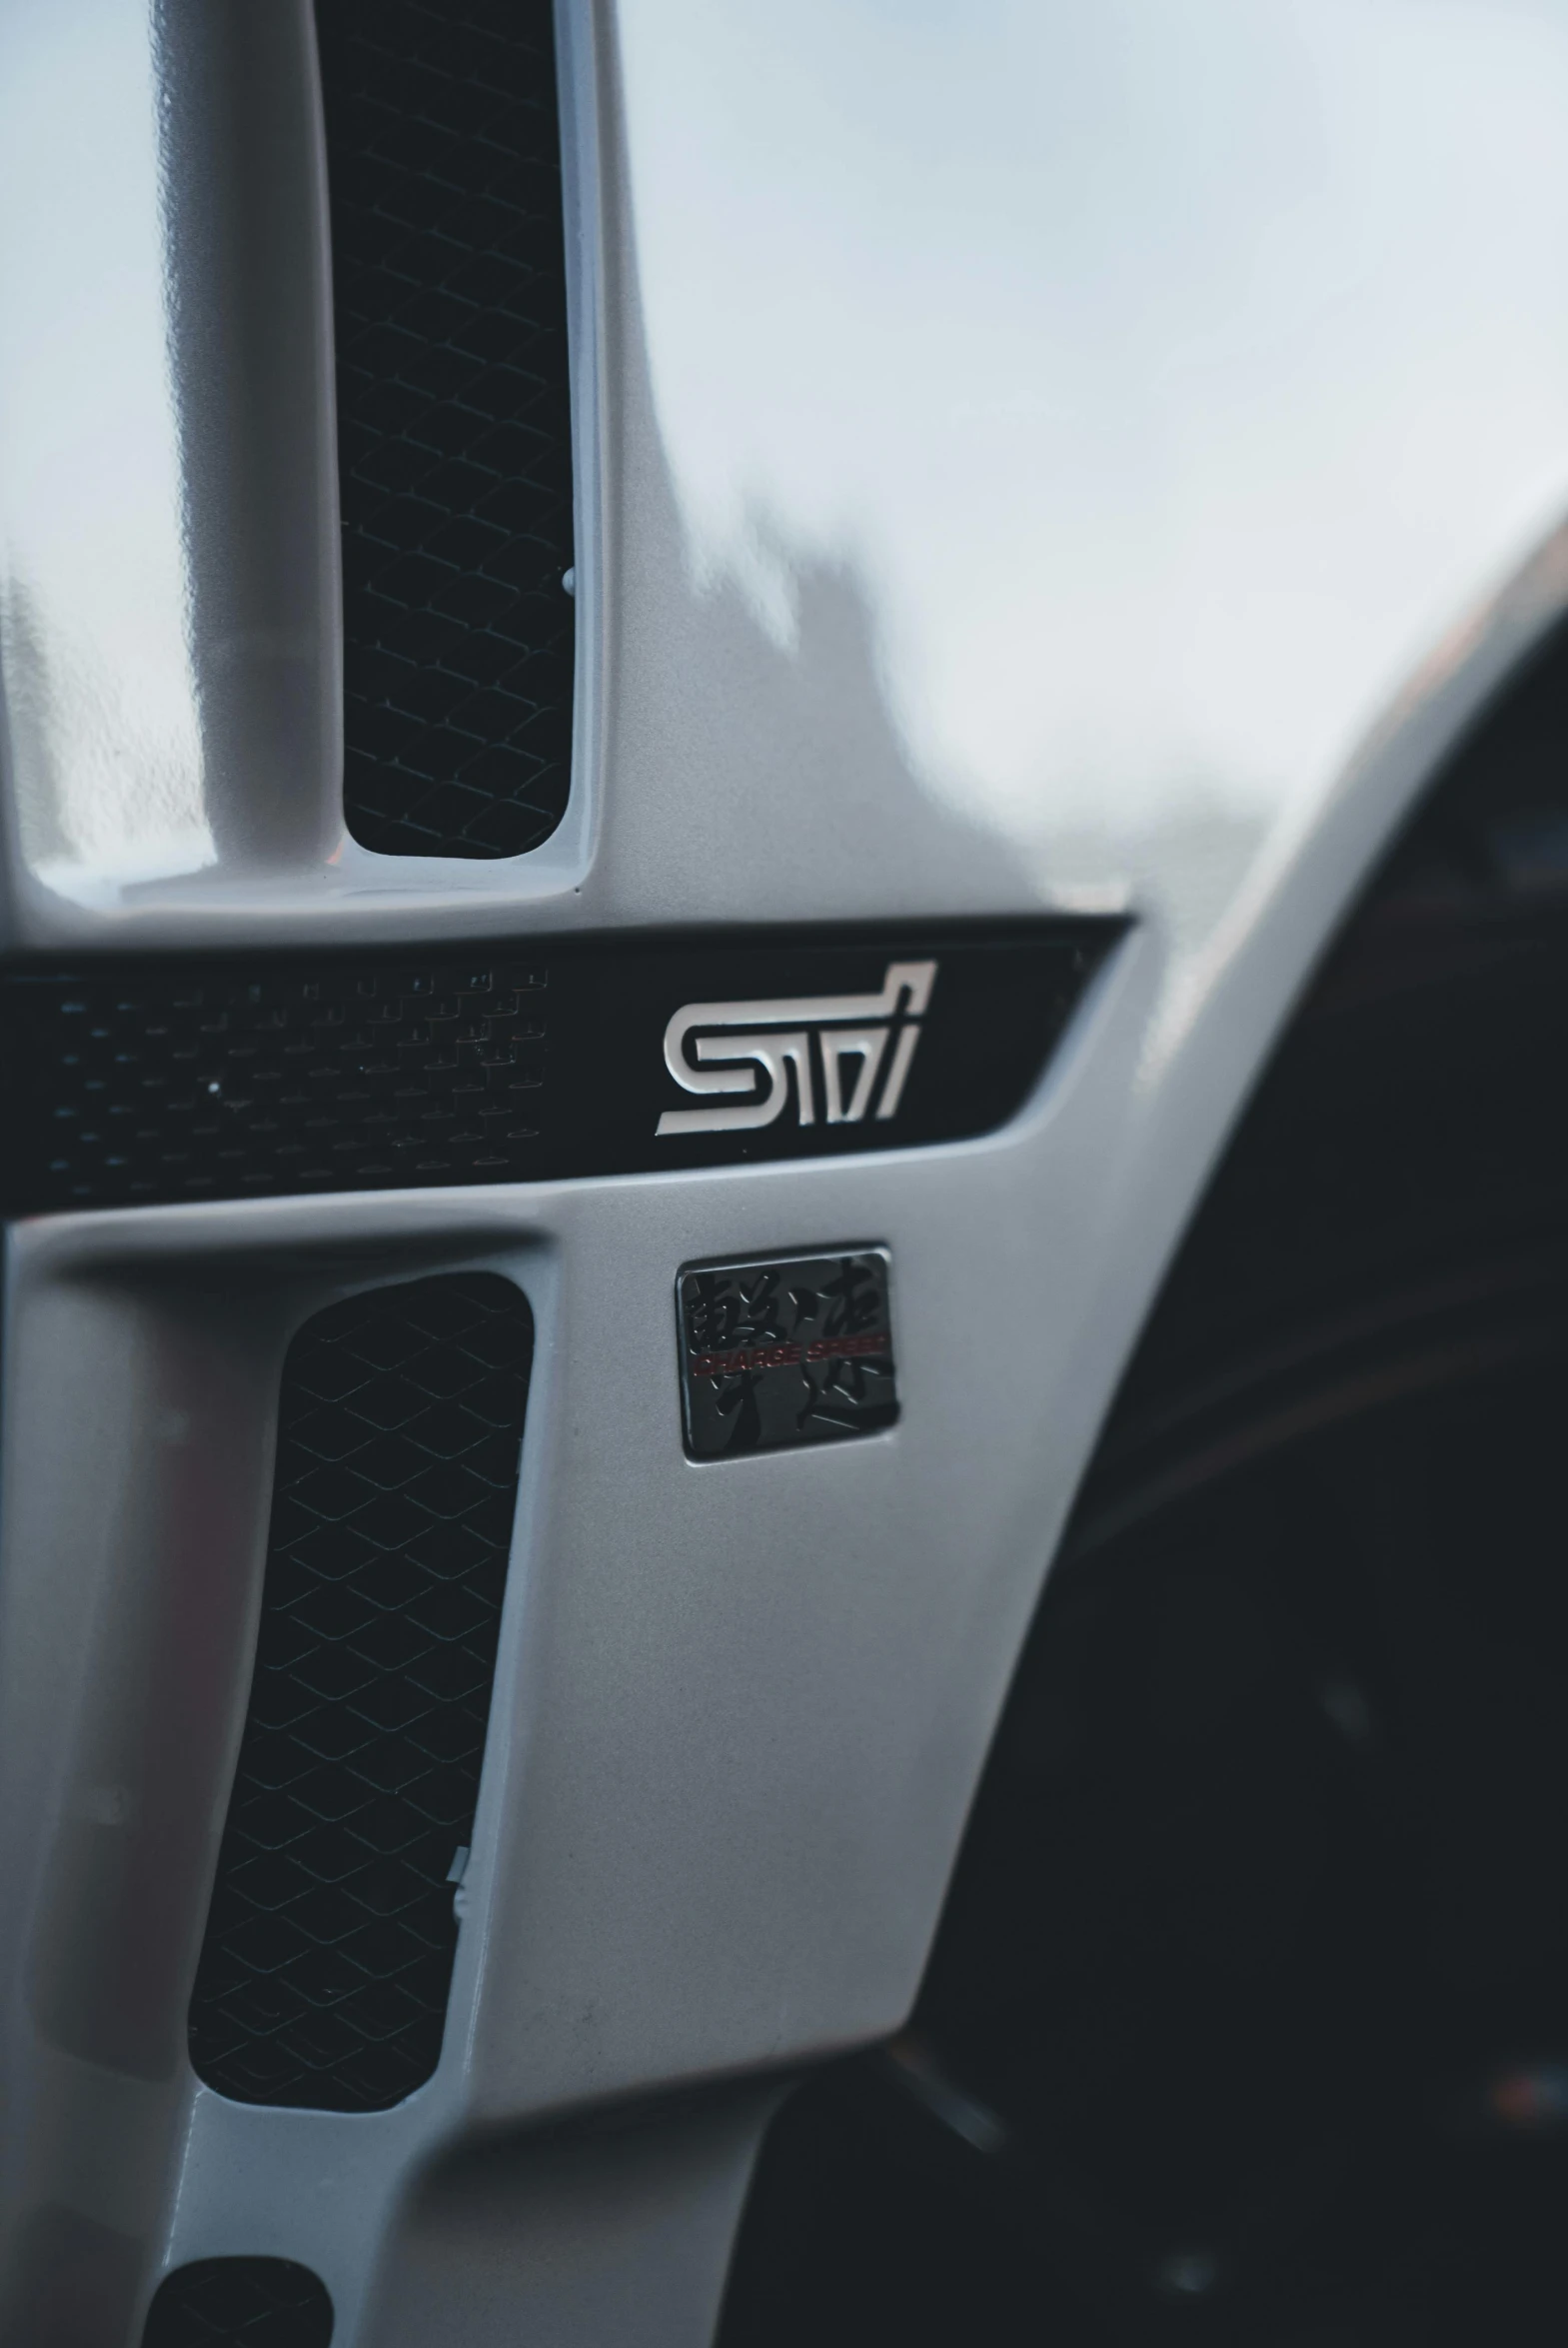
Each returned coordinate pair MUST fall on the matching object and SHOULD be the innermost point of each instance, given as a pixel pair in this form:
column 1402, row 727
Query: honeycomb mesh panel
column 454, row 423
column 169, row 1081
column 249, row 2302
column 330, row 1940
column 151, row 1085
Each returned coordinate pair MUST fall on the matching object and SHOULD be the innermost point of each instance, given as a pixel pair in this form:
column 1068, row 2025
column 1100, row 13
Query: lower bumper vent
column 330, row 1942
column 251, row 2302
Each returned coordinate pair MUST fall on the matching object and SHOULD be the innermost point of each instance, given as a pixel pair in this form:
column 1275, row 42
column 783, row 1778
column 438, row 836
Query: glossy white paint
column 1154, row 386
column 103, row 736
column 171, row 731
column 1030, row 455
column 1037, row 447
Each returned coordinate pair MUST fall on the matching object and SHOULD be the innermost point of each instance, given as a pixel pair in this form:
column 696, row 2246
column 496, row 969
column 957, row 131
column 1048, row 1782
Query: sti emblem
column 129, row 1084
column 860, row 1045
column 795, row 1349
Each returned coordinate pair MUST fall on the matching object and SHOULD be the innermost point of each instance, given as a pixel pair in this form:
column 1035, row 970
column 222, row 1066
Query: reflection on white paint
column 1172, row 373
column 102, row 732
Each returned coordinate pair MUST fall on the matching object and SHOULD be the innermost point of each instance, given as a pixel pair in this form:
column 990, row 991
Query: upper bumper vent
column 454, row 424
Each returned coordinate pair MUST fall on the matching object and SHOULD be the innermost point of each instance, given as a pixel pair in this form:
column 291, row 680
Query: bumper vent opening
column 251, row 2302
column 333, row 1928
column 454, row 421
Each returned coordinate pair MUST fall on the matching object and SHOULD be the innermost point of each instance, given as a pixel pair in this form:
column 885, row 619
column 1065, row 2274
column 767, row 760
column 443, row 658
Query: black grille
column 328, row 1955
column 162, row 1082
column 250, row 2302
column 184, row 1083
column 454, row 425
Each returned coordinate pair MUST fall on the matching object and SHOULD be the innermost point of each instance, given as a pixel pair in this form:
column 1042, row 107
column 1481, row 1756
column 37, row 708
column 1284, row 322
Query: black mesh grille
column 251, row 2302
column 453, row 425
column 324, row 1974
column 168, row 1085
column 164, row 1083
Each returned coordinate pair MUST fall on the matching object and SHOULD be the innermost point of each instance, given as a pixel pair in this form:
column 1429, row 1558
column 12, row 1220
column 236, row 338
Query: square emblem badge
column 794, row 1349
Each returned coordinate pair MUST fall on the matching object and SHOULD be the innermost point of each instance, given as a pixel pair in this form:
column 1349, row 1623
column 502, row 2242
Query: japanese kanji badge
column 794, row 1349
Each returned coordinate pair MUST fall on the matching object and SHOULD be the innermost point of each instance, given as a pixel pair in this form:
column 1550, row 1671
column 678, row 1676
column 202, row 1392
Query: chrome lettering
column 708, row 1057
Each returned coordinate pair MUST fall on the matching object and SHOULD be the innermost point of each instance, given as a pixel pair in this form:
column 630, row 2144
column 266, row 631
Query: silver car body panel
column 1028, row 459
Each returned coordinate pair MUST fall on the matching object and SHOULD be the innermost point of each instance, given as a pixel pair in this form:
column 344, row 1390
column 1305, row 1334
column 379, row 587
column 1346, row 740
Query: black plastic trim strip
column 158, row 1082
